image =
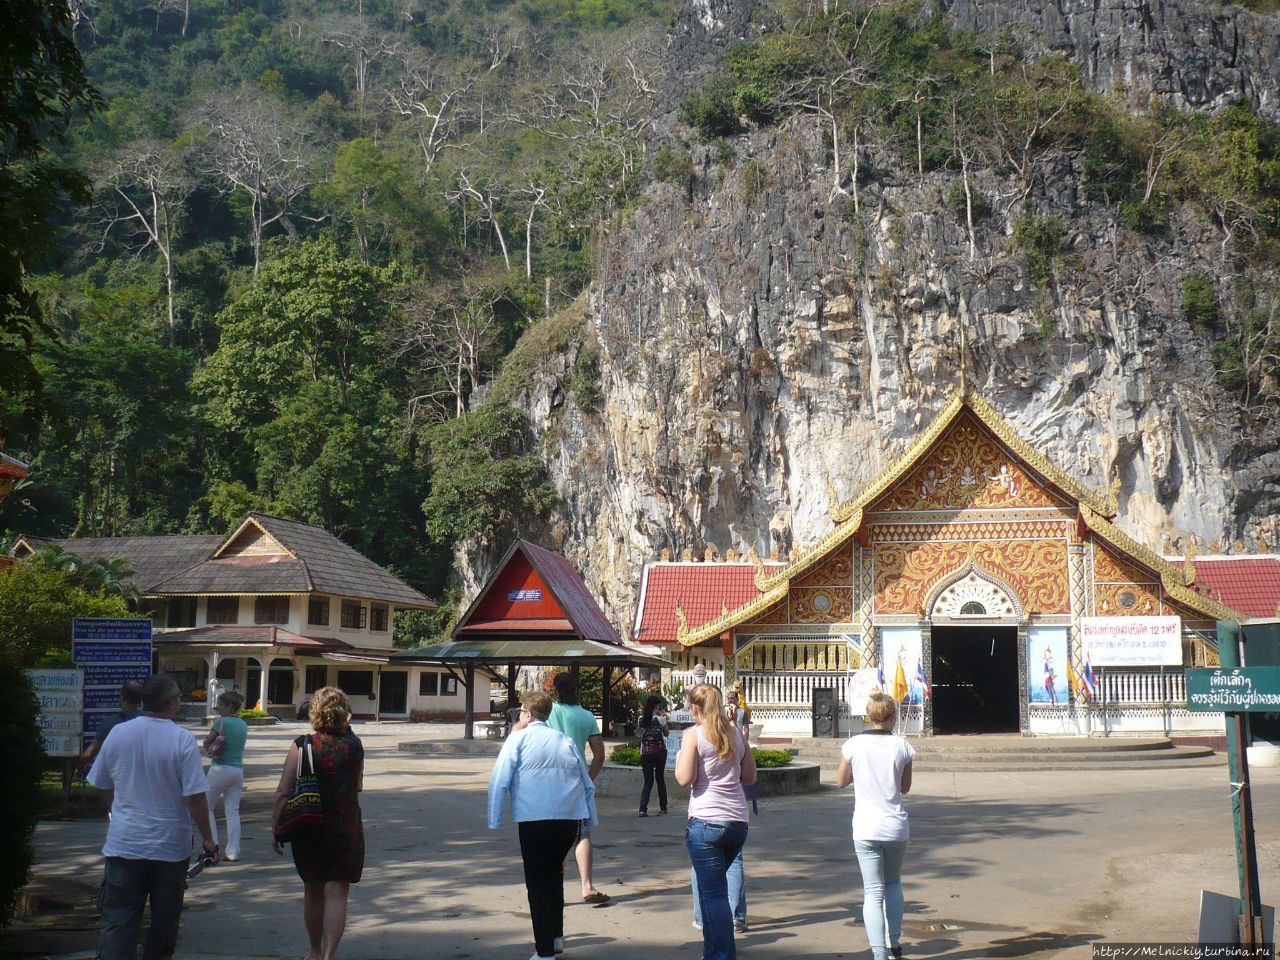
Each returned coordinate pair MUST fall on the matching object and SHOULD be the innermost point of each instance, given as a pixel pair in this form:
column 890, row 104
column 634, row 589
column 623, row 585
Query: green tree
column 37, row 605
column 42, row 87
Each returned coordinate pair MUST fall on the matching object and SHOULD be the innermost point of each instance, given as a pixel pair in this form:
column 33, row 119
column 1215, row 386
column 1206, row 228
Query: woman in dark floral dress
column 332, row 858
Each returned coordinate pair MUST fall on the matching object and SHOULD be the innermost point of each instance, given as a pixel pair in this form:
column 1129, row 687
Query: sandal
column 596, row 897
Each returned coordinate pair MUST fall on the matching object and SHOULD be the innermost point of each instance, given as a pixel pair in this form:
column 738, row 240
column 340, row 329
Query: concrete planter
column 797, row 777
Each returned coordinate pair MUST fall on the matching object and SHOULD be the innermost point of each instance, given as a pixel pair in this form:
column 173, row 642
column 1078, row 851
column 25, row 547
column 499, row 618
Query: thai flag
column 1086, row 678
column 923, row 680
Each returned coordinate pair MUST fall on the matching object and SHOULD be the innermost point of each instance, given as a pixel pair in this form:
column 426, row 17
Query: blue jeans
column 713, row 846
column 881, row 864
column 737, row 880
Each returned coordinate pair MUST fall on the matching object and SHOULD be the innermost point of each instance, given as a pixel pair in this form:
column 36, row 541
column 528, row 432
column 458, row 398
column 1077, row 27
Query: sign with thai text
column 1132, row 641
column 524, row 596
column 1234, row 689
column 60, row 695
column 111, row 628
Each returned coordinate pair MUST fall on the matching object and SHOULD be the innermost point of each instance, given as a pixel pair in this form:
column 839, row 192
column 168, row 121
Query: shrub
column 1229, row 364
column 956, row 202
column 672, row 166
column 710, row 112
column 252, row 714
column 625, row 756
column 771, row 758
column 1144, row 217
column 1200, row 300
column 583, row 380
column 1040, row 240
column 22, row 760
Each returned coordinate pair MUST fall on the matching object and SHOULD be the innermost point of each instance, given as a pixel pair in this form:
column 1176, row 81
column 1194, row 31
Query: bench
column 492, row 729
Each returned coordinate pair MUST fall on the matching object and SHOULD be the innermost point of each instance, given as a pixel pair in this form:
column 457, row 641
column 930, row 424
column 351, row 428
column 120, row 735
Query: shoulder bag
column 302, row 812
column 218, row 745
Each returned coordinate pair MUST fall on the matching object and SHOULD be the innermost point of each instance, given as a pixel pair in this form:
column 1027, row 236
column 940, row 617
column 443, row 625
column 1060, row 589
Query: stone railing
column 1131, row 685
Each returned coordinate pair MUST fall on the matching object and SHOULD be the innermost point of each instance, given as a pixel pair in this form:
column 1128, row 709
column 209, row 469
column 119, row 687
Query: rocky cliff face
column 766, row 349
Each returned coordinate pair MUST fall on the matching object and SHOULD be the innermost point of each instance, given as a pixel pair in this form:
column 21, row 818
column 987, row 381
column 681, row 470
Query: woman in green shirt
column 225, row 744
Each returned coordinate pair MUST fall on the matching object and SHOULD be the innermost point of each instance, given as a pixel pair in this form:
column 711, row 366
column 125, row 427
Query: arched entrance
column 973, row 652
column 280, row 682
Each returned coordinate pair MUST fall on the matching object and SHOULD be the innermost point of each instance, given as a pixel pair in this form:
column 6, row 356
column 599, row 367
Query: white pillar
column 211, row 698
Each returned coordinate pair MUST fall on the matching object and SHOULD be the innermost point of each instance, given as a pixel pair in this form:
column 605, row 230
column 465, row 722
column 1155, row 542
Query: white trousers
column 226, row 783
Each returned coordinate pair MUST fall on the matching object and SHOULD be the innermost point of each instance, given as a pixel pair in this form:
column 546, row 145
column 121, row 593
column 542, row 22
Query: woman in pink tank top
column 715, row 763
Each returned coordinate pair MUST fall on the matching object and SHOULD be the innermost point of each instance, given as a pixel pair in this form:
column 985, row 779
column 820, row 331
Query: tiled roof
column 576, row 601
column 702, row 590
column 1250, row 585
column 180, row 565
column 153, row 558
column 548, row 651
column 335, row 567
column 241, row 575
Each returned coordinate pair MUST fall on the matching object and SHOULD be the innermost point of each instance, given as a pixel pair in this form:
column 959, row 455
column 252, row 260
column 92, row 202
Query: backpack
column 652, row 740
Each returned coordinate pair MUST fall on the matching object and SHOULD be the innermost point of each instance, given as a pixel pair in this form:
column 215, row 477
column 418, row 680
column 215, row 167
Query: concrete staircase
column 997, row 753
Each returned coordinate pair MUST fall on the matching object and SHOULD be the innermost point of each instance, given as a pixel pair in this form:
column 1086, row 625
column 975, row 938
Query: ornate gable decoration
column 975, row 594
column 968, row 469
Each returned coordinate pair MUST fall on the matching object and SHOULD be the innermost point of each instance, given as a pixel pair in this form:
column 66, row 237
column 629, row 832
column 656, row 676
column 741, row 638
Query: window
column 448, row 686
column 315, row 678
column 223, row 610
column 356, row 683
column 973, row 609
column 428, row 684
column 271, row 610
column 353, row 614
column 318, row 611
column 377, row 616
column 181, row 612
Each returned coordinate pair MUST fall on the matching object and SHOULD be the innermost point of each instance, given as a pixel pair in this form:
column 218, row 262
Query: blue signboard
column 108, row 628
column 93, row 719
column 97, row 651
column 103, row 698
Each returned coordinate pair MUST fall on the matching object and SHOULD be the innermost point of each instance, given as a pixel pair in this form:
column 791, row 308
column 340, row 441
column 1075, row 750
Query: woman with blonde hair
column 878, row 764
column 224, row 744
column 331, row 857
column 715, row 763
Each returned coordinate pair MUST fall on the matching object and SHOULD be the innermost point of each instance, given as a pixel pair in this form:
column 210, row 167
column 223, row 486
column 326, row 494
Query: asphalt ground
column 1037, row 865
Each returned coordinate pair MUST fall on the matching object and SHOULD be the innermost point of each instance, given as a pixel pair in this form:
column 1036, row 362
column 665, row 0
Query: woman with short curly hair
column 332, row 858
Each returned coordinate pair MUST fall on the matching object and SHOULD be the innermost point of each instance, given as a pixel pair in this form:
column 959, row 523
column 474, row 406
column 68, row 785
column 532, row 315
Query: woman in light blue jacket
column 551, row 797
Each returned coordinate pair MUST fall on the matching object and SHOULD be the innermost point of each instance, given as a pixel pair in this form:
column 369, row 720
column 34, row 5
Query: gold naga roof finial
column 754, row 559
column 1189, row 565
column 682, row 622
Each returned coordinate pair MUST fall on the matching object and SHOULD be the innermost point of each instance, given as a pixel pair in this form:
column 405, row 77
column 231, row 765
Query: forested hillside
column 634, row 273
column 313, row 230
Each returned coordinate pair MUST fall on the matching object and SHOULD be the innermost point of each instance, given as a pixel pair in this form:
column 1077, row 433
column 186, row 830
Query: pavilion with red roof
column 533, row 611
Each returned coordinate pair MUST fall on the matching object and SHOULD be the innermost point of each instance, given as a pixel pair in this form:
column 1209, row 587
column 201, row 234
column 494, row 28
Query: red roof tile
column 703, row 591
column 1248, row 584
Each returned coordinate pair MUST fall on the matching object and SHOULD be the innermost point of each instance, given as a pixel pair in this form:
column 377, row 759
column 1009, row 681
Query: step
column 1004, row 756
column 1001, row 745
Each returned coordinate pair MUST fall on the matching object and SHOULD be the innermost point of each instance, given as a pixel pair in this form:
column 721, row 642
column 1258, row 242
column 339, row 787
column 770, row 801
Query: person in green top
column 579, row 725
column 225, row 744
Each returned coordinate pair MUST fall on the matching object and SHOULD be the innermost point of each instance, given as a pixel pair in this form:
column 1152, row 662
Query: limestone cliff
column 765, row 349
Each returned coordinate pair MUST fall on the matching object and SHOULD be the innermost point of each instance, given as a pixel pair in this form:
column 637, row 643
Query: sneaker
column 662, row 812
column 559, row 945
column 697, row 925
column 644, row 813
column 896, row 953
column 538, row 956
column 740, row 927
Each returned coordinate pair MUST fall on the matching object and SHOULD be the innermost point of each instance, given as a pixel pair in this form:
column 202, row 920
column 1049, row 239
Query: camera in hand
column 206, row 859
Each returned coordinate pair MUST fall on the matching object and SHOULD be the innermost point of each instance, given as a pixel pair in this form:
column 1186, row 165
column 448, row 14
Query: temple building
column 969, row 574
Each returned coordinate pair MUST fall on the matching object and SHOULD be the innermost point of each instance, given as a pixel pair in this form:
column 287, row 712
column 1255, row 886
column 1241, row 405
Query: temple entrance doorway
column 975, row 679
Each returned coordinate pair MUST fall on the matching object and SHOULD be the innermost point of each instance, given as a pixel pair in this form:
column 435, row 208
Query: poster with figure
column 1047, row 667
column 900, row 663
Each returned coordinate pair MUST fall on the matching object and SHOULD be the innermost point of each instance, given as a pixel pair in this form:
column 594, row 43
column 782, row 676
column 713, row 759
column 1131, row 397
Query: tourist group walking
column 151, row 771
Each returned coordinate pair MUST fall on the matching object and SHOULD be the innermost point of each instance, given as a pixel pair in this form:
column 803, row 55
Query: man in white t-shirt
column 149, row 769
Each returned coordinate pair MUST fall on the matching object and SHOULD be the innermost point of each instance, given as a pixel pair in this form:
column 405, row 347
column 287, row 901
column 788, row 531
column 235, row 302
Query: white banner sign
column 60, row 694
column 1132, row 641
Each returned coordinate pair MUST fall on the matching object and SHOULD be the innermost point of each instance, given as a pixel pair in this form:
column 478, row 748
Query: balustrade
column 1142, row 686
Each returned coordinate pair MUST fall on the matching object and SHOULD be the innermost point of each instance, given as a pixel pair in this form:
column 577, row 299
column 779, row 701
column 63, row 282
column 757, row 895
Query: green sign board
column 1234, row 689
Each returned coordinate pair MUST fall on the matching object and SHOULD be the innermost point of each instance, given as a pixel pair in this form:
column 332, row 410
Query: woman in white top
column 714, row 762
column 878, row 764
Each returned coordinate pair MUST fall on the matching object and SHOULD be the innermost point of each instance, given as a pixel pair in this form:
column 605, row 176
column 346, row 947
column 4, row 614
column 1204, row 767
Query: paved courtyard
column 1000, row 865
